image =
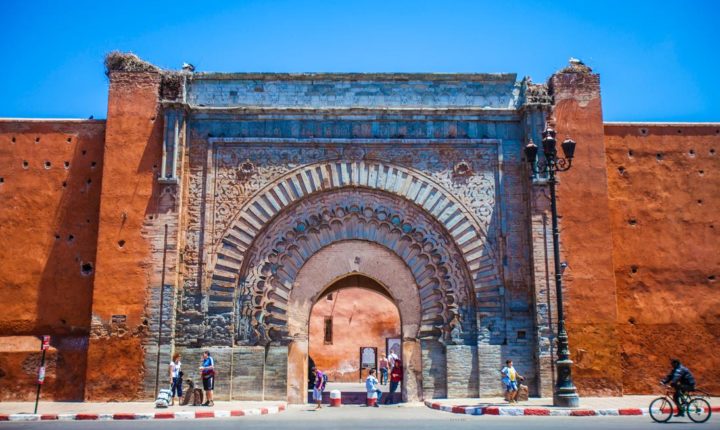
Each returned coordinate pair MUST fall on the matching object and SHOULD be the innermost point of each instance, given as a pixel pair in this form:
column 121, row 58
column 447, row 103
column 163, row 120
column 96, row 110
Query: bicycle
column 696, row 407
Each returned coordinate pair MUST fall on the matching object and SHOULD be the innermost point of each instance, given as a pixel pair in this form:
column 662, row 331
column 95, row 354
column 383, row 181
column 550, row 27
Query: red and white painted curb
column 539, row 411
column 169, row 415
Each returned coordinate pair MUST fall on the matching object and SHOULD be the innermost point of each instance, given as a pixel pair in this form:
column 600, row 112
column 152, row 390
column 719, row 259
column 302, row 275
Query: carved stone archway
column 275, row 259
column 415, row 188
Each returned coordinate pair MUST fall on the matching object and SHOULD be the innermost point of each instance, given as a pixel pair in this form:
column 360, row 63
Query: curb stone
column 539, row 411
column 181, row 415
column 515, row 411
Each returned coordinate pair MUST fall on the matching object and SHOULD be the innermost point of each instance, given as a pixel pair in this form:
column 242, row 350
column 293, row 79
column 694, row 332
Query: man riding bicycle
column 682, row 380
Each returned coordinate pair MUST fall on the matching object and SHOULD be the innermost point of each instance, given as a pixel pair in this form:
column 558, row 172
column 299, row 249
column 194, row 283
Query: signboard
column 393, row 345
column 368, row 357
column 46, row 343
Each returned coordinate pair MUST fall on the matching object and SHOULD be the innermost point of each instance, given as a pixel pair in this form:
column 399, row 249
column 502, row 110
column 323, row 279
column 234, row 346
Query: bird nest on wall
column 117, row 61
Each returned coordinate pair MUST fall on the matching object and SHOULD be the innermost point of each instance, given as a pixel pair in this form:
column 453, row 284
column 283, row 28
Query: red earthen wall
column 586, row 237
column 664, row 185
column 360, row 318
column 133, row 150
column 49, row 201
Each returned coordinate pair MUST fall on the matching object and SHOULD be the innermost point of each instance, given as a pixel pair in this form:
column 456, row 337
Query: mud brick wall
column 50, row 181
column 664, row 204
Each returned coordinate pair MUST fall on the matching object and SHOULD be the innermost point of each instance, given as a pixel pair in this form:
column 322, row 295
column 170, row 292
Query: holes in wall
column 25, row 164
column 712, row 151
column 632, row 221
column 93, row 164
column 621, row 170
column 12, row 139
column 57, row 236
column 701, row 172
column 84, row 151
column 659, row 156
column 151, row 217
column 679, row 131
column 71, row 238
column 69, row 140
column 633, row 269
column 47, row 164
column 521, row 335
column 87, row 220
column 691, row 152
column 62, row 321
column 632, row 320
column 37, row 140
column 121, row 243
column 2, row 180
column 67, row 164
column 153, row 118
column 64, row 184
column 630, row 153
column 89, row 181
column 86, row 269
column 644, row 131
column 699, row 201
column 154, row 166
column 711, row 278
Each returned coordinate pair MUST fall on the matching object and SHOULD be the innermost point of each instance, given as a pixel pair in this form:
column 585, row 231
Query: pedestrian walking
column 510, row 379
column 391, row 359
column 396, row 377
column 384, row 365
column 371, row 385
column 319, row 387
column 176, row 376
column 207, row 371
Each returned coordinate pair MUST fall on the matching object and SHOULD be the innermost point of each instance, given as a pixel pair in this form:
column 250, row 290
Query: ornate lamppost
column 565, row 392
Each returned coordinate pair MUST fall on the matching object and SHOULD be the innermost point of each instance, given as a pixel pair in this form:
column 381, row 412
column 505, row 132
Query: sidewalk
column 589, row 406
column 69, row 411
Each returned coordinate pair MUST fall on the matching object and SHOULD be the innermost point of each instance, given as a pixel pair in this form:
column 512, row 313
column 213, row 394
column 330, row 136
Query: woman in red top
column 396, row 376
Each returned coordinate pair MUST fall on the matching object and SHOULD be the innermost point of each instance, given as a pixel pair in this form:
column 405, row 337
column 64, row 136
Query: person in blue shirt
column 371, row 385
column 207, row 370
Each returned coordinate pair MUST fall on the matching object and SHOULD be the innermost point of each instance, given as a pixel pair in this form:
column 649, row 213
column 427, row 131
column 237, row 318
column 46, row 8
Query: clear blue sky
column 658, row 59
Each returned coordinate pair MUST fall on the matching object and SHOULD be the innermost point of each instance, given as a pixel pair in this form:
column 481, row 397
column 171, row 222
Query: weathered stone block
column 248, row 372
column 462, row 371
column 434, row 370
column 276, row 372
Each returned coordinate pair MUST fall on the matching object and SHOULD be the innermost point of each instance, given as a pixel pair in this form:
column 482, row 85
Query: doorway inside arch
column 353, row 325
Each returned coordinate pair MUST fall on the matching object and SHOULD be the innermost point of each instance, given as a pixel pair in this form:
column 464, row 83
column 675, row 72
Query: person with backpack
column 207, row 370
column 682, row 380
column 319, row 387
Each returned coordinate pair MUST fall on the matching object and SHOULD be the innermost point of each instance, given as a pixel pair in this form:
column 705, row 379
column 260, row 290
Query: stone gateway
column 227, row 205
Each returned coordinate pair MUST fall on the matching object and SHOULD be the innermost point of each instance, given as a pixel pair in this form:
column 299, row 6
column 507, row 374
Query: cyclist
column 682, row 380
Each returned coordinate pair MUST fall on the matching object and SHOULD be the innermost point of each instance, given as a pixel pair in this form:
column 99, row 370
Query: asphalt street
column 359, row 417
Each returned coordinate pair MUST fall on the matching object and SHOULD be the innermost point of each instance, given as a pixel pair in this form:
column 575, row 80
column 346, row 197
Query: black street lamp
column 565, row 392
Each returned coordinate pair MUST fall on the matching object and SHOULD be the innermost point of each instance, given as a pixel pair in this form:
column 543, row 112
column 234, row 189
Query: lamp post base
column 565, row 395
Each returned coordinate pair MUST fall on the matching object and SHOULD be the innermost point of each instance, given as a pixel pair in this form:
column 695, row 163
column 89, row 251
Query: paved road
column 357, row 417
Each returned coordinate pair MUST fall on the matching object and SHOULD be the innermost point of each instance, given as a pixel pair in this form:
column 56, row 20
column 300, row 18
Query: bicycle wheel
column 698, row 410
column 661, row 410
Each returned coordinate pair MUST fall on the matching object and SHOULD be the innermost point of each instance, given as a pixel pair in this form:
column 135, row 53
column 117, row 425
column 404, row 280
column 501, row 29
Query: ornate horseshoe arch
column 409, row 185
column 274, row 261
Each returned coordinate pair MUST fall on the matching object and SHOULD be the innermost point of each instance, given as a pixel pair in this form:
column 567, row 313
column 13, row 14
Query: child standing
column 510, row 379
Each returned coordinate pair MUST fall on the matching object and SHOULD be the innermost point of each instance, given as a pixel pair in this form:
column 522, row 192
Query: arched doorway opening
column 354, row 322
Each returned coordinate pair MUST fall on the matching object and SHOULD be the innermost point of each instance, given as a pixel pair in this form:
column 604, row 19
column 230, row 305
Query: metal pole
column 160, row 322
column 565, row 391
column 42, row 364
